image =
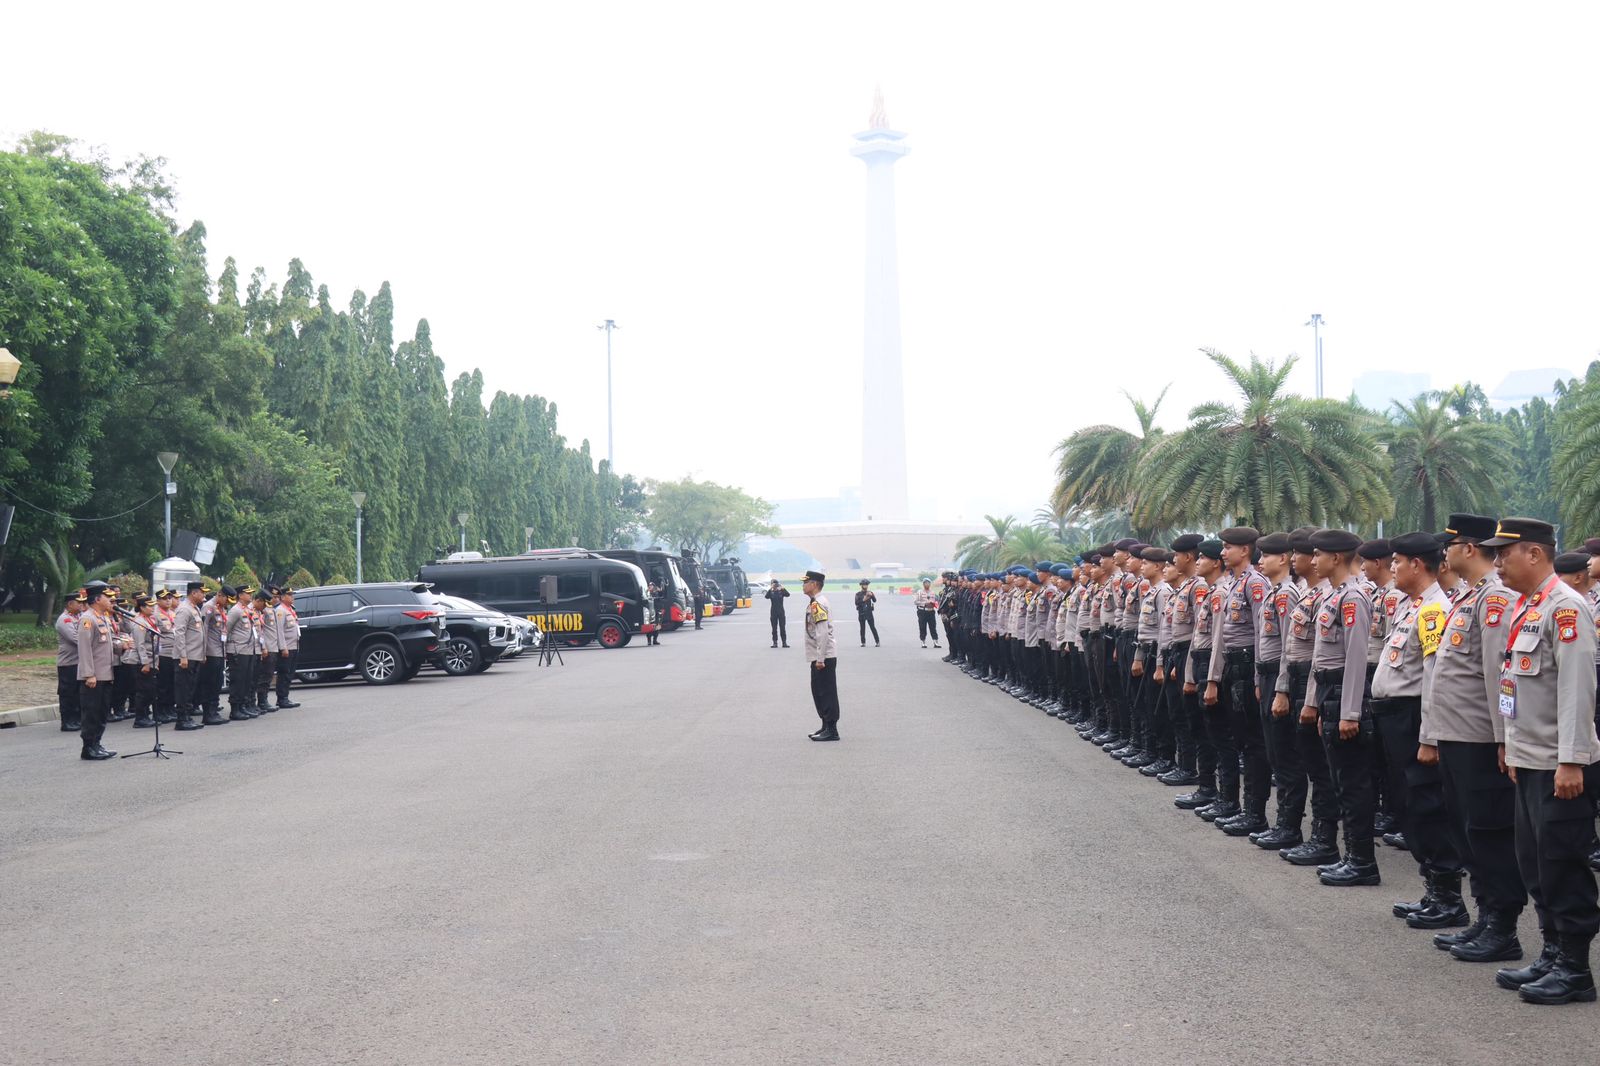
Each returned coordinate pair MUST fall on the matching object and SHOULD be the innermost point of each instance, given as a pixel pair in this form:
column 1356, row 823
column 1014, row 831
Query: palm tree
column 1273, row 459
column 62, row 571
column 1029, row 544
column 1577, row 454
column 1443, row 461
column 1098, row 465
column 981, row 551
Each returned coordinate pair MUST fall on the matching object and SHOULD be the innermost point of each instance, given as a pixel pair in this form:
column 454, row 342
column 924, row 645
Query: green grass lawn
column 18, row 633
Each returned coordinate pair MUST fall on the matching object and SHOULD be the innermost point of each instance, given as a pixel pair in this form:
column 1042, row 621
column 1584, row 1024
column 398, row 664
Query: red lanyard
column 1522, row 612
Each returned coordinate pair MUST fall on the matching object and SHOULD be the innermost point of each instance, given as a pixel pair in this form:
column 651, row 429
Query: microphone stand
column 159, row 750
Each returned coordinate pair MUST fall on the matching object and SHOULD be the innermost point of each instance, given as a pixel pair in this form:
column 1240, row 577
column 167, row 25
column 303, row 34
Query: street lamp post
column 527, row 538
column 168, row 460
column 611, row 453
column 461, row 520
column 1316, row 342
column 360, row 500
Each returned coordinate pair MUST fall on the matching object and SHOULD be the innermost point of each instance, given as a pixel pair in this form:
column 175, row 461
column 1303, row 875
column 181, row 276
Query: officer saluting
column 822, row 655
column 1546, row 719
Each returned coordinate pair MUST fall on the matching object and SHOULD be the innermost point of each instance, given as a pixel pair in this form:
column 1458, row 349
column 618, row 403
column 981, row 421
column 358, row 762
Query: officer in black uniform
column 866, row 602
column 776, row 594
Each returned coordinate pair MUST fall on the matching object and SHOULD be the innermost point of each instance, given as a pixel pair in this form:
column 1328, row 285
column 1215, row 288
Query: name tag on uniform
column 1508, row 698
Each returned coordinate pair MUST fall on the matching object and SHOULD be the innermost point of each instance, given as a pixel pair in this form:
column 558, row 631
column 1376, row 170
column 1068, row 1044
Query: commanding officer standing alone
column 822, row 655
column 97, row 653
column 1546, row 719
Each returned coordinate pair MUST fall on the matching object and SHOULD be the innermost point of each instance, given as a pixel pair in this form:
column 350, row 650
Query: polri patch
column 1567, row 625
column 1349, row 615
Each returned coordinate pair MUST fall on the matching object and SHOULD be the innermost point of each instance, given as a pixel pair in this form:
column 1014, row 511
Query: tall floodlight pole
column 1316, row 342
column 611, row 454
column 527, row 538
column 168, row 460
column 360, row 500
column 461, row 520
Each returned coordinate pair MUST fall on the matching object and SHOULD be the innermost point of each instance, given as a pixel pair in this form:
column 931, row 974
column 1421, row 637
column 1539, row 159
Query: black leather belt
column 1334, row 675
column 1394, row 703
column 1270, row 667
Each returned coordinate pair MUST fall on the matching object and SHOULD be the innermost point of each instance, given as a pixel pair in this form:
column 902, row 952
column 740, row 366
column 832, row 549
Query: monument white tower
column 883, row 431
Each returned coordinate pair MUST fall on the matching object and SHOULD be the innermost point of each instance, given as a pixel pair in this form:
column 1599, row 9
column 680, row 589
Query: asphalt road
column 639, row 858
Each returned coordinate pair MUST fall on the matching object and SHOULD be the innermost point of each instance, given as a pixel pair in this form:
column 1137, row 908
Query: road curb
column 47, row 712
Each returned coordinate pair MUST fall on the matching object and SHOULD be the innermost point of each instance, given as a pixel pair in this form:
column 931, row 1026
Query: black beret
column 1274, row 544
column 1572, row 562
column 1473, row 527
column 1211, row 549
column 1335, row 540
column 1592, row 546
column 1153, row 555
column 1522, row 531
column 1188, row 542
column 1124, row 544
column 1300, row 540
column 1375, row 549
column 1415, row 545
column 1093, row 558
column 1244, row 535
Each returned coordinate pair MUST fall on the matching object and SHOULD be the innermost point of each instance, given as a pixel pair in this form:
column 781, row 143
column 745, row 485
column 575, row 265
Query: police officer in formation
column 1321, row 670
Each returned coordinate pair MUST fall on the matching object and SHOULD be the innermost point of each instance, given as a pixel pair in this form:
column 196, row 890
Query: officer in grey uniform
column 189, row 640
column 266, row 648
column 1336, row 696
column 216, row 627
column 1277, row 727
column 147, row 649
column 67, row 661
column 241, row 647
column 1299, row 641
column 1230, row 689
column 822, row 657
column 97, row 653
column 1546, row 720
column 1457, row 733
column 1414, row 634
column 166, row 671
column 1182, row 699
column 287, row 624
column 1208, row 598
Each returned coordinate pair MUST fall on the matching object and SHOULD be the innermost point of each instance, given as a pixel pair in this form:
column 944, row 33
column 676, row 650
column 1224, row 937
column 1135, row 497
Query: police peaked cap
column 1375, row 549
column 1211, row 549
column 1473, row 527
column 1335, row 540
column 1415, row 545
column 1572, row 562
column 1239, row 535
column 1275, row 544
column 1522, row 531
column 1188, row 542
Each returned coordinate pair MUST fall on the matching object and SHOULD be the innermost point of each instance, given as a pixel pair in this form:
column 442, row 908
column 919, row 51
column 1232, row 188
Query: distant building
column 845, row 507
column 1379, row 389
column 1520, row 386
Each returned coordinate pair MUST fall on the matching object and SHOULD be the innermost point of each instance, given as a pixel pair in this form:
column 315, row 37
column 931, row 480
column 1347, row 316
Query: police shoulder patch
column 1349, row 614
column 1566, row 621
column 1257, row 591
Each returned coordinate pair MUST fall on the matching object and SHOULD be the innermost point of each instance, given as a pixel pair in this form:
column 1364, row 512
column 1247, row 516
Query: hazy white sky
column 1095, row 191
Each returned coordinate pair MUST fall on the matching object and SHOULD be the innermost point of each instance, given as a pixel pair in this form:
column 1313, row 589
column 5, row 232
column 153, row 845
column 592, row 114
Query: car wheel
column 381, row 664
column 460, row 656
column 611, row 635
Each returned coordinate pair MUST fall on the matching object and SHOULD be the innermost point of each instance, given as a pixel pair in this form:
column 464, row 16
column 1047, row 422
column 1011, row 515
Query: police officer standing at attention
column 97, row 653
column 1546, row 719
column 287, row 625
column 189, row 640
column 822, row 657
column 267, row 647
column 776, row 594
column 866, row 603
column 927, row 604
column 241, row 647
column 67, row 661
column 1230, row 685
column 215, row 614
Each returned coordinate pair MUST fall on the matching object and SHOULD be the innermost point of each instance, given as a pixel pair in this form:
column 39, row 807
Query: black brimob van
column 661, row 568
column 599, row 599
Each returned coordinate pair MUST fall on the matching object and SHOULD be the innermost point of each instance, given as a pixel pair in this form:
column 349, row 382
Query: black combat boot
column 1283, row 835
column 1322, row 849
column 1446, row 941
column 1358, row 868
column 1406, row 910
column 1448, row 911
column 1515, row 979
column 1203, row 796
column 1497, row 942
column 144, row 721
column 1569, row 980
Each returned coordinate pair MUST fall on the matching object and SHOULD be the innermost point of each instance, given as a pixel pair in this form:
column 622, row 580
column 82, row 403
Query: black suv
column 383, row 631
column 475, row 636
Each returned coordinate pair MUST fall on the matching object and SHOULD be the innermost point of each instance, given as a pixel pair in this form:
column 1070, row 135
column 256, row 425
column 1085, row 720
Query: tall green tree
column 1271, row 458
column 705, row 517
column 1443, row 460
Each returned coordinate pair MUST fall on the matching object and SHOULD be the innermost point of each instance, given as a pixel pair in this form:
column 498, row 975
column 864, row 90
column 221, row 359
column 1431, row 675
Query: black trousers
column 927, row 627
column 1313, row 756
column 1244, row 712
column 241, row 681
column 1482, row 806
column 1416, row 791
column 825, row 691
column 67, row 696
column 144, row 690
column 866, row 620
column 122, row 685
column 1279, row 736
column 1350, row 762
column 209, row 693
column 780, row 628
column 1182, row 723
column 1553, row 851
column 93, row 706
column 166, row 695
column 285, row 671
column 1238, row 673
column 952, row 637
column 1205, row 748
column 186, row 687
column 266, row 672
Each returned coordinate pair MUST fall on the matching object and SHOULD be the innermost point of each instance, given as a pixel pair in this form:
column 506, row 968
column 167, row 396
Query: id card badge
column 1508, row 698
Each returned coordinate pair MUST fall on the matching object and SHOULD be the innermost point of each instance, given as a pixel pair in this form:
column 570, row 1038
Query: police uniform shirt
column 288, row 625
column 269, row 631
column 1149, row 618
column 1300, row 628
column 1547, row 680
column 97, row 639
column 1594, row 606
column 241, row 638
column 1414, row 636
column 1269, row 623
column 1032, row 625
column 1163, row 616
column 1462, row 690
column 67, row 639
column 165, row 622
column 820, row 645
column 146, row 640
column 1237, row 621
column 189, row 632
column 926, row 600
column 1128, row 594
column 1343, row 622
column 1385, row 602
column 129, row 654
column 215, row 629
column 1207, row 598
